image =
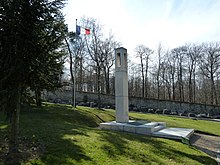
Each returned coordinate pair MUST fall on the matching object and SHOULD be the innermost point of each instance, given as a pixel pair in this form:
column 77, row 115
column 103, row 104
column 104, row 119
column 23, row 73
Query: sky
column 150, row 22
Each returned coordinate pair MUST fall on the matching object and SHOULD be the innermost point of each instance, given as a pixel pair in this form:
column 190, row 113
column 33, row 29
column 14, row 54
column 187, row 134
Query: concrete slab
column 131, row 126
column 218, row 157
column 157, row 129
column 174, row 133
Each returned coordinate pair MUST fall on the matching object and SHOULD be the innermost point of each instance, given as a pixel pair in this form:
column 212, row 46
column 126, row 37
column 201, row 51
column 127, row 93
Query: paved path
column 208, row 144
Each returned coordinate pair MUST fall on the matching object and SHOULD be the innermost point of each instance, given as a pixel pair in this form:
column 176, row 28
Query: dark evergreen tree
column 31, row 33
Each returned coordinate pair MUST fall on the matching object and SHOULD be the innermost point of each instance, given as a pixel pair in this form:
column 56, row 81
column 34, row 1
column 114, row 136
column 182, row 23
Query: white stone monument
column 121, row 85
column 122, row 123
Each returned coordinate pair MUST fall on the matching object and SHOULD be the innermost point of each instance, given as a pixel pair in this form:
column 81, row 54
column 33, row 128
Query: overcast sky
column 148, row 22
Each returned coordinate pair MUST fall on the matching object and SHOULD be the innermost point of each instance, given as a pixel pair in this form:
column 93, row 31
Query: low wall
column 65, row 97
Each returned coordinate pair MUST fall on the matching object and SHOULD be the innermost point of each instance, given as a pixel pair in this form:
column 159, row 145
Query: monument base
column 157, row 129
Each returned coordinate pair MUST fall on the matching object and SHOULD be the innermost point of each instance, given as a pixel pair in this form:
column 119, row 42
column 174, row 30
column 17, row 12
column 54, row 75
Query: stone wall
column 65, row 97
column 175, row 106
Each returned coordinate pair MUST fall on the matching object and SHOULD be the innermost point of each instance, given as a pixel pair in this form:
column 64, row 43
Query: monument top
column 121, row 59
column 121, row 48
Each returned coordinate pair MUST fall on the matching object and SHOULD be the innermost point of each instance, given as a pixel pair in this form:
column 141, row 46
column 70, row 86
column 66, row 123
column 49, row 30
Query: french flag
column 81, row 30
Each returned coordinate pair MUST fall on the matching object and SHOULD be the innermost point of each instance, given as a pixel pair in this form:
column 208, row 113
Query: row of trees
column 187, row 73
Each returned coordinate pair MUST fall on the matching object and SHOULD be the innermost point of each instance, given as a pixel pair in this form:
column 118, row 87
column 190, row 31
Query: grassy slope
column 72, row 137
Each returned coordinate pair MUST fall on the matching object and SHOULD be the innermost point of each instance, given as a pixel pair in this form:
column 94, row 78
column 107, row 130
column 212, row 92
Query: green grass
column 72, row 137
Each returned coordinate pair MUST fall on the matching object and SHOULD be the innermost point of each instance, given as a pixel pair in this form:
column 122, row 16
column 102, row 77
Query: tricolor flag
column 78, row 30
column 82, row 30
column 87, row 31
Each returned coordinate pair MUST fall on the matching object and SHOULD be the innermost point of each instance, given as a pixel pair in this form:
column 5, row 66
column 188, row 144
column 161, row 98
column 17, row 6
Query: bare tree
column 171, row 73
column 80, row 57
column 210, row 66
column 71, row 66
column 159, row 69
column 93, row 42
column 144, row 53
column 193, row 55
column 167, row 76
column 131, row 77
column 134, row 80
column 76, row 48
column 179, row 53
column 107, row 48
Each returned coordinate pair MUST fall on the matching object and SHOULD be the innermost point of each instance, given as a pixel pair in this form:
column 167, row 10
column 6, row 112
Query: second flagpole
column 74, row 81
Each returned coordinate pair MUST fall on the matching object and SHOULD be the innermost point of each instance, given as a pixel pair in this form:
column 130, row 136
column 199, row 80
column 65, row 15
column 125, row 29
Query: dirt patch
column 28, row 149
column 206, row 143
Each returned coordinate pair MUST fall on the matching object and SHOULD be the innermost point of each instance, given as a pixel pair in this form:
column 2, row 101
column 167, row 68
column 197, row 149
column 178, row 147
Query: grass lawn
column 72, row 137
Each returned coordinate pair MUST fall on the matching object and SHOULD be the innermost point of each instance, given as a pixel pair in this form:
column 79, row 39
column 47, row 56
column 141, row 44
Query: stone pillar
column 121, row 85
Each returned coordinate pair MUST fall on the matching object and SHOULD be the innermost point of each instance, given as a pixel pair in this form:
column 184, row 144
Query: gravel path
column 208, row 144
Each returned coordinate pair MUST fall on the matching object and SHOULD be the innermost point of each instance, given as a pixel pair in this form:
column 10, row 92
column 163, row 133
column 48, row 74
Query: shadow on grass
column 152, row 150
column 51, row 125
column 55, row 125
column 200, row 159
column 118, row 144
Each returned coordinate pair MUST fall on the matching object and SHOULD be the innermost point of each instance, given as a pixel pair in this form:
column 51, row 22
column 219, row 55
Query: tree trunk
column 190, row 87
column 14, row 125
column 213, row 91
column 38, row 97
column 71, row 70
column 158, row 85
column 169, row 92
column 81, row 75
column 143, row 79
column 212, row 87
column 98, row 85
column 146, row 79
column 107, row 78
column 194, row 87
column 173, row 88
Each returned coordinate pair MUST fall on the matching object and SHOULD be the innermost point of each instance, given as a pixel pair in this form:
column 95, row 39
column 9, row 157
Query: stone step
column 158, row 128
column 174, row 133
column 154, row 124
column 190, row 133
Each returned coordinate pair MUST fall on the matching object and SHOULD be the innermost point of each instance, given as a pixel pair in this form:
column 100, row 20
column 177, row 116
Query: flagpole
column 74, row 81
column 76, row 22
